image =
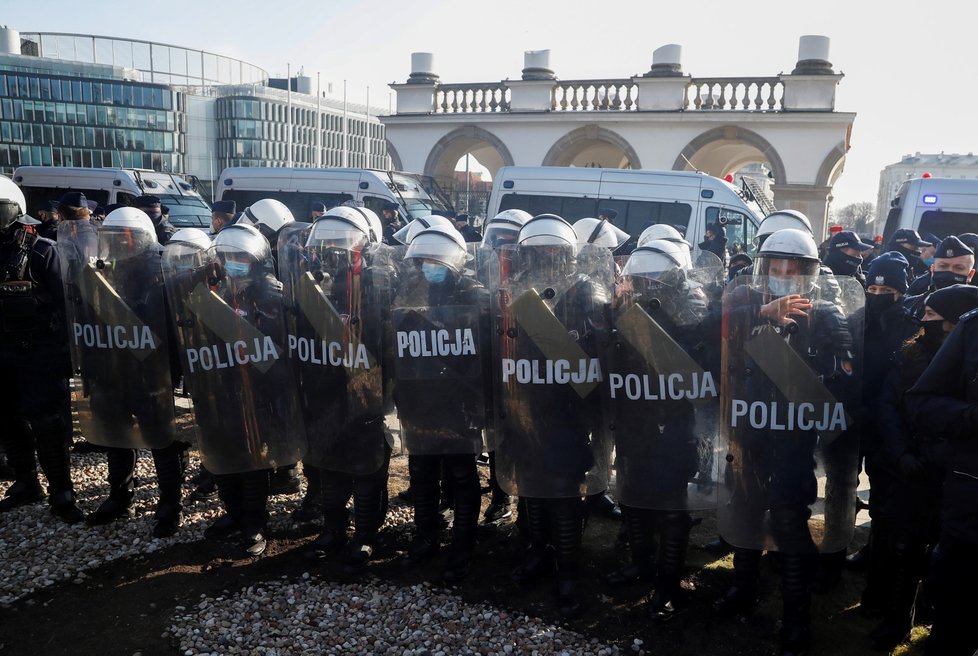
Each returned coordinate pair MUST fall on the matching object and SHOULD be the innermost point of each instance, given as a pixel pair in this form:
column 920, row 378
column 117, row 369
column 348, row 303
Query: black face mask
column 944, row 279
column 842, row 264
column 876, row 304
column 933, row 332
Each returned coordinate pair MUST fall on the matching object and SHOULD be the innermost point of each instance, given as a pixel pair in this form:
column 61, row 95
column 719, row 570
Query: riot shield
column 119, row 338
column 789, row 390
column 441, row 353
column 233, row 345
column 77, row 246
column 553, row 320
column 662, row 385
column 337, row 301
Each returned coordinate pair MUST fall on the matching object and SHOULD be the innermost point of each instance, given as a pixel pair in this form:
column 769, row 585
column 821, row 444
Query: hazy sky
column 910, row 68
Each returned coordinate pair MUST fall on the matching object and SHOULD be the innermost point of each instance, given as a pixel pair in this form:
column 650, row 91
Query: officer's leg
column 639, row 524
column 954, row 579
column 881, row 480
column 425, row 492
column 499, row 502
column 799, row 557
column 904, row 563
column 122, row 466
column 369, row 512
column 337, row 487
column 538, row 556
column 170, row 469
column 311, row 508
column 461, row 470
column 673, row 541
column 567, row 531
column 229, row 492
column 52, row 435
column 284, row 480
column 741, row 597
column 18, row 442
column 254, row 510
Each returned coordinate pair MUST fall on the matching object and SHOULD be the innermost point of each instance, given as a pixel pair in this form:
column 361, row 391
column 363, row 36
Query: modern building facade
column 82, row 100
column 939, row 165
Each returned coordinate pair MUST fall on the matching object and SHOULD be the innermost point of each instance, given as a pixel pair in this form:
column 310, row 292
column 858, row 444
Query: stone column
column 811, row 200
column 418, row 95
column 534, row 92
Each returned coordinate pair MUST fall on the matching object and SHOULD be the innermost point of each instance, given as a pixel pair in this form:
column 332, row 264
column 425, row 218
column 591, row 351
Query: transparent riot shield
column 789, row 390
column 119, row 337
column 77, row 246
column 662, row 387
column 337, row 302
column 441, row 353
column 233, row 350
column 553, row 321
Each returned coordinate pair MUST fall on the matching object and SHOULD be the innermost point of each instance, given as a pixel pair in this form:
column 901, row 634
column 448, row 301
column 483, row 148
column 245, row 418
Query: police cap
column 146, row 200
column 225, row 206
column 848, row 239
column 951, row 302
column 952, row 247
column 73, row 199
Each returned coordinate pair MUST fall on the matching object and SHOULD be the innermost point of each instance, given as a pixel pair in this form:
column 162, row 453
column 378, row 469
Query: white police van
column 416, row 195
column 690, row 201
column 108, row 186
column 940, row 206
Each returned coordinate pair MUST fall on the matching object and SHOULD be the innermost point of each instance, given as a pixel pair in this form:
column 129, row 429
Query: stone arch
column 396, row 163
column 831, row 166
column 571, row 144
column 451, row 147
column 733, row 133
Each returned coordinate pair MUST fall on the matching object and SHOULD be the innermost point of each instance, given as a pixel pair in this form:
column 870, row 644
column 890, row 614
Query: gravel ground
column 305, row 617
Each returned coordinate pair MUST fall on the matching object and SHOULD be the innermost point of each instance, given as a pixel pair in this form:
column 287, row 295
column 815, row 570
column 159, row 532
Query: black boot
column 796, row 579
column 426, row 493
column 170, row 472
column 369, row 513
column 311, row 508
column 18, row 441
column 877, row 578
column 122, row 464
column 499, row 504
column 905, row 564
column 538, row 555
column 464, row 475
column 640, row 526
column 337, row 488
column 741, row 598
column 567, row 531
column 673, row 543
column 52, row 436
column 254, row 516
column 228, row 488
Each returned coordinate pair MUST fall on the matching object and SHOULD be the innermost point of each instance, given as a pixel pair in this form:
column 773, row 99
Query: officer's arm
column 45, row 267
column 938, row 398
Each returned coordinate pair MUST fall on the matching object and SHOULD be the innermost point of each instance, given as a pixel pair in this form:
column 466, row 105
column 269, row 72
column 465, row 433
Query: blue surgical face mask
column 237, row 269
column 929, row 261
column 784, row 285
column 434, row 273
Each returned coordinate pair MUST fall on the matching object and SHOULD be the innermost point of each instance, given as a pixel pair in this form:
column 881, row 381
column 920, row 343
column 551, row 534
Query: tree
column 858, row 217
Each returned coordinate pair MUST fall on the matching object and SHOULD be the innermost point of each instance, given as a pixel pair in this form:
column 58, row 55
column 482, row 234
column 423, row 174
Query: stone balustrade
column 734, row 93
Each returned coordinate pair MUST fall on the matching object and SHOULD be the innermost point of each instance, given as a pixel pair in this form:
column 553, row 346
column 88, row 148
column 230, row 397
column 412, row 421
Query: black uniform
column 34, row 370
column 945, row 398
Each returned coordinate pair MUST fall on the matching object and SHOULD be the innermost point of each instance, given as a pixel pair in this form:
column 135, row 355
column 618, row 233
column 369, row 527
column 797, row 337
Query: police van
column 940, row 206
column 689, row 201
column 109, row 186
column 299, row 188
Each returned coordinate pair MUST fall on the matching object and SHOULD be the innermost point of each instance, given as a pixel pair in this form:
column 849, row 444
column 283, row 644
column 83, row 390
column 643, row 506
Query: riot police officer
column 844, row 255
column 441, row 357
column 666, row 232
column 660, row 429
column 391, row 220
column 789, row 382
column 953, row 264
column 339, row 297
column 34, row 360
column 907, row 242
column 229, row 318
column 551, row 449
column 121, row 334
column 945, row 399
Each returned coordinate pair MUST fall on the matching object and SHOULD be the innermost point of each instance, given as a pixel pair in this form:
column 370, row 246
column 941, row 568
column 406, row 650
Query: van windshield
column 944, row 223
column 419, row 194
column 187, row 211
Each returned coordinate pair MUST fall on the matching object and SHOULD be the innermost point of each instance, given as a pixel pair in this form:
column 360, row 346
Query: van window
column 298, row 202
column 37, row 196
column 375, row 203
column 944, row 223
column 892, row 223
column 633, row 215
column 739, row 228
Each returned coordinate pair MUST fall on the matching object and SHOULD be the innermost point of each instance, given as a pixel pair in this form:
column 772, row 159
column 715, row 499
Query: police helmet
column 443, row 245
column 504, row 227
column 13, row 206
column 376, row 225
column 339, row 230
column 779, row 221
column 600, row 233
column 655, row 258
column 662, row 231
column 191, row 237
column 548, row 230
column 244, row 239
column 126, row 232
column 788, row 244
column 410, row 231
column 268, row 212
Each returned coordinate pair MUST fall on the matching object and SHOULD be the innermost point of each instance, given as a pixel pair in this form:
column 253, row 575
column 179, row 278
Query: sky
column 910, row 67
